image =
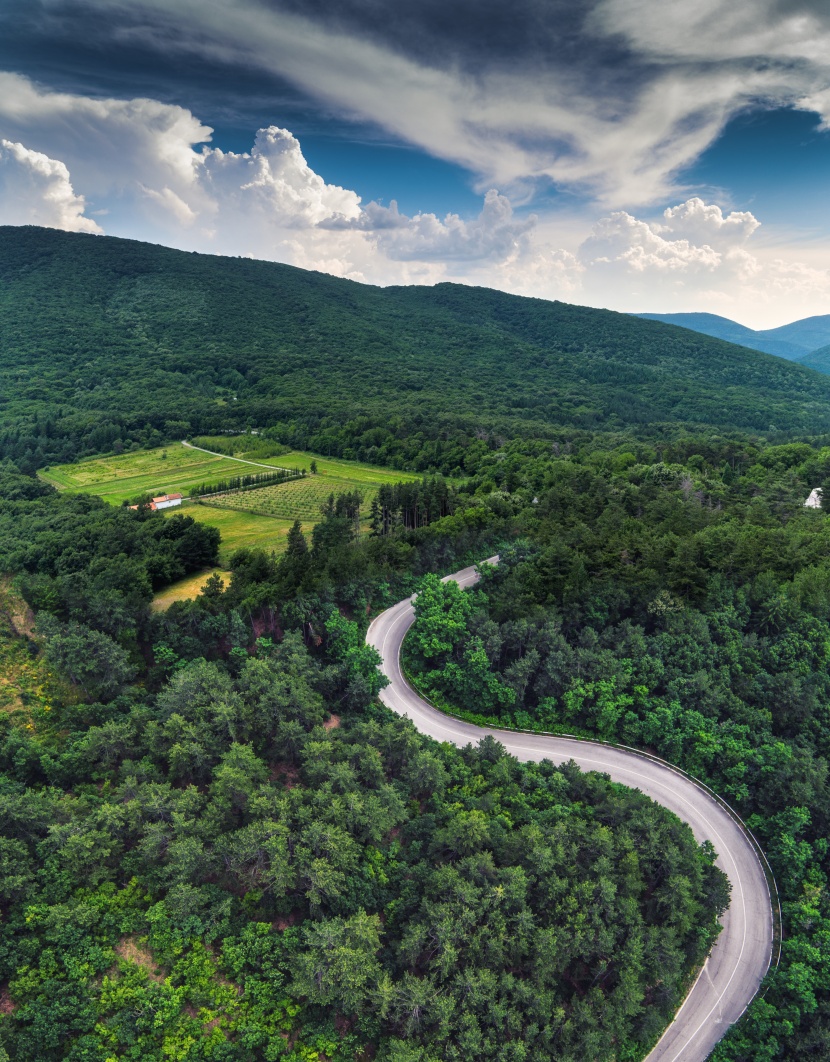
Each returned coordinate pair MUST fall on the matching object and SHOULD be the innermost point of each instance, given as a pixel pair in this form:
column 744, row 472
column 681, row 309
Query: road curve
column 741, row 957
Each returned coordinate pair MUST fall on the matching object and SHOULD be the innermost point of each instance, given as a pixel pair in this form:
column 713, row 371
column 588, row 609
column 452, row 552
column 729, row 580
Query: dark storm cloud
column 75, row 47
column 467, row 30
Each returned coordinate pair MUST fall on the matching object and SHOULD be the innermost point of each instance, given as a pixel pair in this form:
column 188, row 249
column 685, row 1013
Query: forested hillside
column 219, row 848
column 680, row 605
column 108, row 343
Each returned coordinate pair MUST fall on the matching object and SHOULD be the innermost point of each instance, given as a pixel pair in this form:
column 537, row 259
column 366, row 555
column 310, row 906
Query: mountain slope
column 710, row 324
column 818, row 360
column 105, row 341
column 794, row 341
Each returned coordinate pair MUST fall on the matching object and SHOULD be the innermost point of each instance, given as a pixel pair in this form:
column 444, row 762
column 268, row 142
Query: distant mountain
column 710, row 324
column 818, row 360
column 107, row 343
column 788, row 341
column 810, row 333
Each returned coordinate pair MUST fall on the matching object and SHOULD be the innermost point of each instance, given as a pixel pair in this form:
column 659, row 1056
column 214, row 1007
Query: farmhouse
column 166, row 501
column 163, row 501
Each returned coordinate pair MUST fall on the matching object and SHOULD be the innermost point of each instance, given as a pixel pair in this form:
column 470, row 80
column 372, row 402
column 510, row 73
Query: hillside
column 108, row 342
column 797, row 341
column 818, row 359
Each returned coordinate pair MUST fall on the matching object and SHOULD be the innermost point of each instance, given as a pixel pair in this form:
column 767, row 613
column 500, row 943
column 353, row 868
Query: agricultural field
column 244, row 447
column 257, row 519
column 298, row 499
column 354, row 475
column 170, row 469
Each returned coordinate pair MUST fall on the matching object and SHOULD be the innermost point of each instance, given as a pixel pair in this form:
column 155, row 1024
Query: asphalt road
column 741, row 956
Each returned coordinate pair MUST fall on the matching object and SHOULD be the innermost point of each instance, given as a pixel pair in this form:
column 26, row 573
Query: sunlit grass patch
column 188, row 588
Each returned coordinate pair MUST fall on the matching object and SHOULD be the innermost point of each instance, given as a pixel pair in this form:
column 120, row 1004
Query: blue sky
column 637, row 154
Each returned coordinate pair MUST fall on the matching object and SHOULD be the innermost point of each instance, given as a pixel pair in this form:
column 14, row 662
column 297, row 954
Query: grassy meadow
column 247, row 448
column 241, row 529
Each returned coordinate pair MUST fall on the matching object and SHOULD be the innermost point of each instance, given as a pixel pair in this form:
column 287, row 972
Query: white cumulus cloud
column 111, row 147
column 694, row 258
column 37, row 190
column 276, row 182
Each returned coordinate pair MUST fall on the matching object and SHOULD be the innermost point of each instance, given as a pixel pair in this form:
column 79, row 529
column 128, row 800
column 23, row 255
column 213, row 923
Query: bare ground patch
column 21, row 617
column 286, row 773
column 7, row 1004
column 131, row 949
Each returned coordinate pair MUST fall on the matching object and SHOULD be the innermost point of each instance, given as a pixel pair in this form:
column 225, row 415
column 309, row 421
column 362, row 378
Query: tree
column 442, row 611
column 340, row 964
column 90, row 658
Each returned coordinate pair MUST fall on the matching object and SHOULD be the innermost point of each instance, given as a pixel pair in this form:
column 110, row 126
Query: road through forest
column 742, row 954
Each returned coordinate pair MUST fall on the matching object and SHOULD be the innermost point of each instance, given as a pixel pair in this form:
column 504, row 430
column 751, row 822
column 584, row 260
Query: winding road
column 732, row 974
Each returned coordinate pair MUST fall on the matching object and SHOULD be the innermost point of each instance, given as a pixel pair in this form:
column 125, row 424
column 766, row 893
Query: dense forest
column 681, row 605
column 110, row 343
column 223, row 848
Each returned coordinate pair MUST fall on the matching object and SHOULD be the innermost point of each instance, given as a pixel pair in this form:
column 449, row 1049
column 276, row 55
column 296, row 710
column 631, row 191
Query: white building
column 814, row 501
column 167, row 501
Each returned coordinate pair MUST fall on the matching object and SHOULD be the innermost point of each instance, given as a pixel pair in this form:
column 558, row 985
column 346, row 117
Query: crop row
column 295, row 500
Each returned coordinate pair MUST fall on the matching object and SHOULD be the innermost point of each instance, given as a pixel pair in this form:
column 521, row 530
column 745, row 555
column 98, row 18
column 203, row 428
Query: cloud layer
column 611, row 98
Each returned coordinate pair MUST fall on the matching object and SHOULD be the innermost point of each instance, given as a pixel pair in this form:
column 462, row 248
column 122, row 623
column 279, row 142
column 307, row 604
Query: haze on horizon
column 644, row 155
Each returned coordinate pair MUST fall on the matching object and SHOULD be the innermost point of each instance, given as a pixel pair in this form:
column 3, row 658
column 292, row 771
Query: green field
column 169, row 469
column 187, row 588
column 244, row 447
column 257, row 519
column 177, row 468
column 352, row 474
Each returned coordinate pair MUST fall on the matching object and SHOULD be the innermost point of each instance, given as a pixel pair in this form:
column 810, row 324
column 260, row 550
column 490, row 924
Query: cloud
column 149, row 165
column 275, row 181
column 36, row 190
column 695, row 257
column 706, row 223
column 108, row 145
column 495, row 235
column 693, row 239
column 610, row 98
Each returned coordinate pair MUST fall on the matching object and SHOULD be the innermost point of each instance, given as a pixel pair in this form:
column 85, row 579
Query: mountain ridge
column 106, row 341
column 795, row 341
